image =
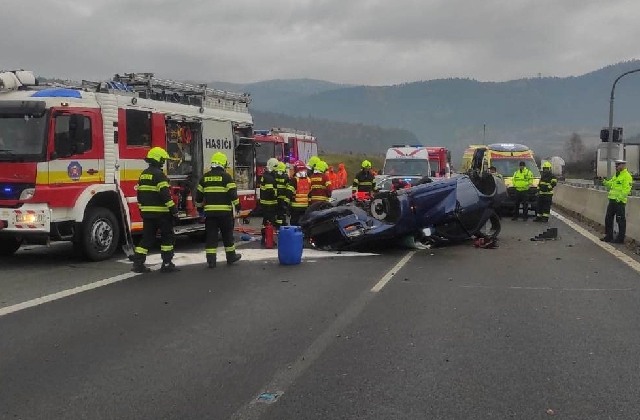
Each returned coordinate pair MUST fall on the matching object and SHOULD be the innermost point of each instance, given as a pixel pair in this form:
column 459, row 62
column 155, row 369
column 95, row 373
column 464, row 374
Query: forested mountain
column 542, row 112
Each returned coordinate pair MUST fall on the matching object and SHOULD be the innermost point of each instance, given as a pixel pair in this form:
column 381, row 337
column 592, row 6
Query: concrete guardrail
column 590, row 203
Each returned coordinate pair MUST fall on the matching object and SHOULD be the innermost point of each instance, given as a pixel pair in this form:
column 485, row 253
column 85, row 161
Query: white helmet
column 272, row 164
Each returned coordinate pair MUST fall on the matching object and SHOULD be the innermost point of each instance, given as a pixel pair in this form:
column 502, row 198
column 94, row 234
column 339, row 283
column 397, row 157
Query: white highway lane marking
column 385, row 279
column 635, row 265
column 181, row 259
column 284, row 378
column 69, row 292
column 555, row 289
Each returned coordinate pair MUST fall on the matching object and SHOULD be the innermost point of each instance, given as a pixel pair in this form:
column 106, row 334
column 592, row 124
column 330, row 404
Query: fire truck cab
column 70, row 156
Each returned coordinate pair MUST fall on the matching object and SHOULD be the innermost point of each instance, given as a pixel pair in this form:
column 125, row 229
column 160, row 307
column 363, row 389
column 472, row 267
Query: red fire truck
column 440, row 161
column 70, row 157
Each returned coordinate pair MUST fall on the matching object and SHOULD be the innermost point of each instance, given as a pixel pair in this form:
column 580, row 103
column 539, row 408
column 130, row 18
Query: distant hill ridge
column 541, row 112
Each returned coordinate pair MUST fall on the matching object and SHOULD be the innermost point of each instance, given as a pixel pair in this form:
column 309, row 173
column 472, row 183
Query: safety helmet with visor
column 157, row 155
column 219, row 160
column 272, row 164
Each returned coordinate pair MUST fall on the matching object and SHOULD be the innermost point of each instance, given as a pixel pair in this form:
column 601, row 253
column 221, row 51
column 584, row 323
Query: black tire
column 100, row 234
column 9, row 245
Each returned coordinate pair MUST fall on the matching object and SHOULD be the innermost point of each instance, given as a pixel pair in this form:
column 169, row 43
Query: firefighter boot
column 211, row 261
column 168, row 267
column 138, row 264
column 232, row 257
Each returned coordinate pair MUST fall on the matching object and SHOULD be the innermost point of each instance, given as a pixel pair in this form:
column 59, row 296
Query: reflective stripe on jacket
column 547, row 183
column 268, row 197
column 302, row 188
column 619, row 186
column 363, row 182
column 320, row 188
column 217, row 193
column 153, row 192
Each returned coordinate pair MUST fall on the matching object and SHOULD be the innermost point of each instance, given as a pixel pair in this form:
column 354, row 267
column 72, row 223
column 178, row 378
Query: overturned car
column 443, row 211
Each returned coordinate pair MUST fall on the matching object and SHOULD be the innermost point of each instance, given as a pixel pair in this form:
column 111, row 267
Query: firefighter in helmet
column 217, row 195
column 363, row 182
column 320, row 183
column 268, row 193
column 301, row 187
column 158, row 212
column 311, row 164
column 282, row 194
column 545, row 193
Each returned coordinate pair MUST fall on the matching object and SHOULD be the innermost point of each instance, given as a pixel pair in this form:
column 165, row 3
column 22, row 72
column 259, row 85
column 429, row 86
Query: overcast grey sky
column 372, row 42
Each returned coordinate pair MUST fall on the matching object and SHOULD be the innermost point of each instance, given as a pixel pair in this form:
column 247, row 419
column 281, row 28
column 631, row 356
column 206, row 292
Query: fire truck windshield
column 406, row 167
column 267, row 150
column 22, row 138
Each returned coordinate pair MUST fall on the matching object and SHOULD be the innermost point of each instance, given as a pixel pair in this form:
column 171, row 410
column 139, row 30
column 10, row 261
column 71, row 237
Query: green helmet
column 546, row 165
column 219, row 159
column 321, row 166
column 282, row 167
column 157, row 154
column 366, row 164
column 313, row 161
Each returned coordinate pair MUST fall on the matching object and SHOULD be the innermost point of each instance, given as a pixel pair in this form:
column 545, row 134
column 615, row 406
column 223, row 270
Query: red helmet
column 299, row 165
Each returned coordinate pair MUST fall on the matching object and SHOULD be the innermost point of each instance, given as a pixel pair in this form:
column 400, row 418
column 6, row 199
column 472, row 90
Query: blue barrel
column 290, row 244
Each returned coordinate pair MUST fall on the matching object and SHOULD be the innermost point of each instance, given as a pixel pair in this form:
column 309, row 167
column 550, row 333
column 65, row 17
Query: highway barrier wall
column 591, row 204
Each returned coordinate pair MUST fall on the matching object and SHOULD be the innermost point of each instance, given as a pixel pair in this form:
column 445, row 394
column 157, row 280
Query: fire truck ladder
column 150, row 87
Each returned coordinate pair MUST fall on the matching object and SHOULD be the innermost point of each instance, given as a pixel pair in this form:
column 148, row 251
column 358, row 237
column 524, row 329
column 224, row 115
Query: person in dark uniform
column 217, row 195
column 158, row 213
column 282, row 194
column 268, row 193
column 545, row 193
column 363, row 181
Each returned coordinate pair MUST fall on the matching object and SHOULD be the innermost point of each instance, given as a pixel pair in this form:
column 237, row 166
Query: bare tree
column 575, row 148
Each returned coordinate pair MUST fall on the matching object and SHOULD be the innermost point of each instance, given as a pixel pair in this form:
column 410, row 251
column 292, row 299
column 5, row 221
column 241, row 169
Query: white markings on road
column 69, row 292
column 289, row 374
column 258, row 254
column 635, row 265
column 385, row 279
column 154, row 260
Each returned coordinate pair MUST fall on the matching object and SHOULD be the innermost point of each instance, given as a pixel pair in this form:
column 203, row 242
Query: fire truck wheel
column 100, row 234
column 9, row 245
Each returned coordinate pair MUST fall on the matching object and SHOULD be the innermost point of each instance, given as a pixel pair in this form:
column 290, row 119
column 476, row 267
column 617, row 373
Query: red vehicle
column 299, row 145
column 70, row 157
column 267, row 145
column 440, row 161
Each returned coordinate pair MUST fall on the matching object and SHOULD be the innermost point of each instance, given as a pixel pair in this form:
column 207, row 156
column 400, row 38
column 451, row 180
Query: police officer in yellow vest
column 619, row 188
column 217, row 195
column 522, row 181
column 158, row 212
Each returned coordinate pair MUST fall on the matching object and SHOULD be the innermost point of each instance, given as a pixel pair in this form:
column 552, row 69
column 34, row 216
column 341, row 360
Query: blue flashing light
column 57, row 93
column 7, row 190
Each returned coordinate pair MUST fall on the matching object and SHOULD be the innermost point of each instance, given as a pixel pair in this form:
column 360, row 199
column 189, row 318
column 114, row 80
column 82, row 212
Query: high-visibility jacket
column 522, row 179
column 302, row 187
column 217, row 193
column 282, row 188
column 619, row 185
column 341, row 176
column 320, row 189
column 363, row 182
column 268, row 193
column 547, row 183
column 153, row 193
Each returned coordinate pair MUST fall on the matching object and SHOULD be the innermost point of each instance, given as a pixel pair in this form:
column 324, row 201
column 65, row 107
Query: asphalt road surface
column 530, row 330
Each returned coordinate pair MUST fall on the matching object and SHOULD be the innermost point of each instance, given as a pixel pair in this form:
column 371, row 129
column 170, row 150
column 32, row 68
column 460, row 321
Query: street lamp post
column 610, row 138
